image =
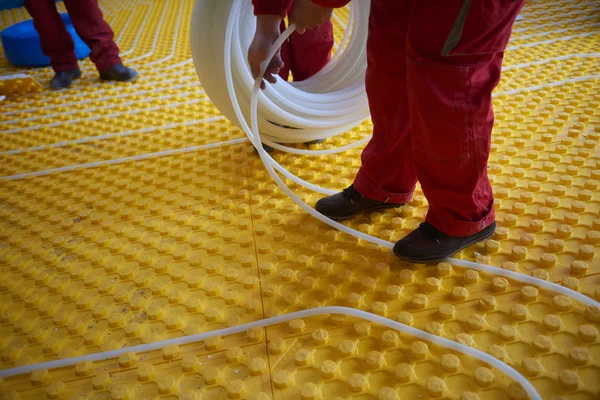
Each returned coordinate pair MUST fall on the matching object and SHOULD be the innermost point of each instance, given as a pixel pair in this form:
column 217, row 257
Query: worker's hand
column 267, row 32
column 307, row 15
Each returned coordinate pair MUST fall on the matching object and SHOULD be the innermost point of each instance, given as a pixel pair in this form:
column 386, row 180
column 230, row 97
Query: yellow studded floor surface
column 135, row 213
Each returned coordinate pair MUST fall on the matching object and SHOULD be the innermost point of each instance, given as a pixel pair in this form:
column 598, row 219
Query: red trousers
column 432, row 66
column 305, row 55
column 90, row 25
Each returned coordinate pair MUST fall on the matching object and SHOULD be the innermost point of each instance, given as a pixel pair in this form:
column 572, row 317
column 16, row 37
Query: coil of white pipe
column 327, row 104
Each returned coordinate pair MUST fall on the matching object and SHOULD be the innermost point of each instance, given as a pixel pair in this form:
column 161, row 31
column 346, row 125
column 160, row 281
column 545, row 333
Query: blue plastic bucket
column 22, row 48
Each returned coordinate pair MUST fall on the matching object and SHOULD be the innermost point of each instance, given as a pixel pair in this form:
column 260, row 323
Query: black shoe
column 119, row 73
column 349, row 203
column 63, row 79
column 426, row 244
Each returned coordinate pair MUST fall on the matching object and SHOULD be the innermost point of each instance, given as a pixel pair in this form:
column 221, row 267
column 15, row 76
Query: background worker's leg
column 454, row 62
column 311, row 51
column 387, row 172
column 56, row 42
column 95, row 32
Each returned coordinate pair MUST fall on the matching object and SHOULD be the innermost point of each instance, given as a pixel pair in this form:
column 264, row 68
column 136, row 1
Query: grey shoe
column 64, row 79
column 119, row 73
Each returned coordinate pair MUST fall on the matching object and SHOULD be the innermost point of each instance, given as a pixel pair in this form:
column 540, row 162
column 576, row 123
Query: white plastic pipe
column 350, row 312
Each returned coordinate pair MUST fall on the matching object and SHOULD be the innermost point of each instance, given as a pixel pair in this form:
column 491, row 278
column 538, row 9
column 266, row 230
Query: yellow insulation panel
column 136, row 213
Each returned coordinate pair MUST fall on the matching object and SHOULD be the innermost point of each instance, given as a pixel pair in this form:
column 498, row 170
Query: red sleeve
column 272, row 7
column 331, row 3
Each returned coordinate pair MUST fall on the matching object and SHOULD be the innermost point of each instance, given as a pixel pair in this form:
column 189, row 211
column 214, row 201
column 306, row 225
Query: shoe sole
column 135, row 78
column 472, row 241
column 347, row 217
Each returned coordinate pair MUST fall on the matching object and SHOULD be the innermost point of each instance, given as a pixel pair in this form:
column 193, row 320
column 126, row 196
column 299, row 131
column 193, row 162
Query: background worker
column 58, row 45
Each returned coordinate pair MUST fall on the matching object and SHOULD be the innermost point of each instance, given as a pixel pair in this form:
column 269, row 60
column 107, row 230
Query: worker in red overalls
column 302, row 55
column 432, row 66
column 57, row 44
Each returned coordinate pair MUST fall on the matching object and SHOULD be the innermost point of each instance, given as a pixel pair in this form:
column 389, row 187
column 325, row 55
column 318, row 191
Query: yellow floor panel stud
column 131, row 214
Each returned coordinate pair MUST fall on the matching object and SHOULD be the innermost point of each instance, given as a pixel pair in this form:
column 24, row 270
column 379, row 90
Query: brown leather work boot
column 349, row 203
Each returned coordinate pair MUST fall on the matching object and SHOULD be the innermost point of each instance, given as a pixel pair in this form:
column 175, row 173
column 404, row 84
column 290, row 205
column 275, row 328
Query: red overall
column 303, row 55
column 90, row 25
column 432, row 66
